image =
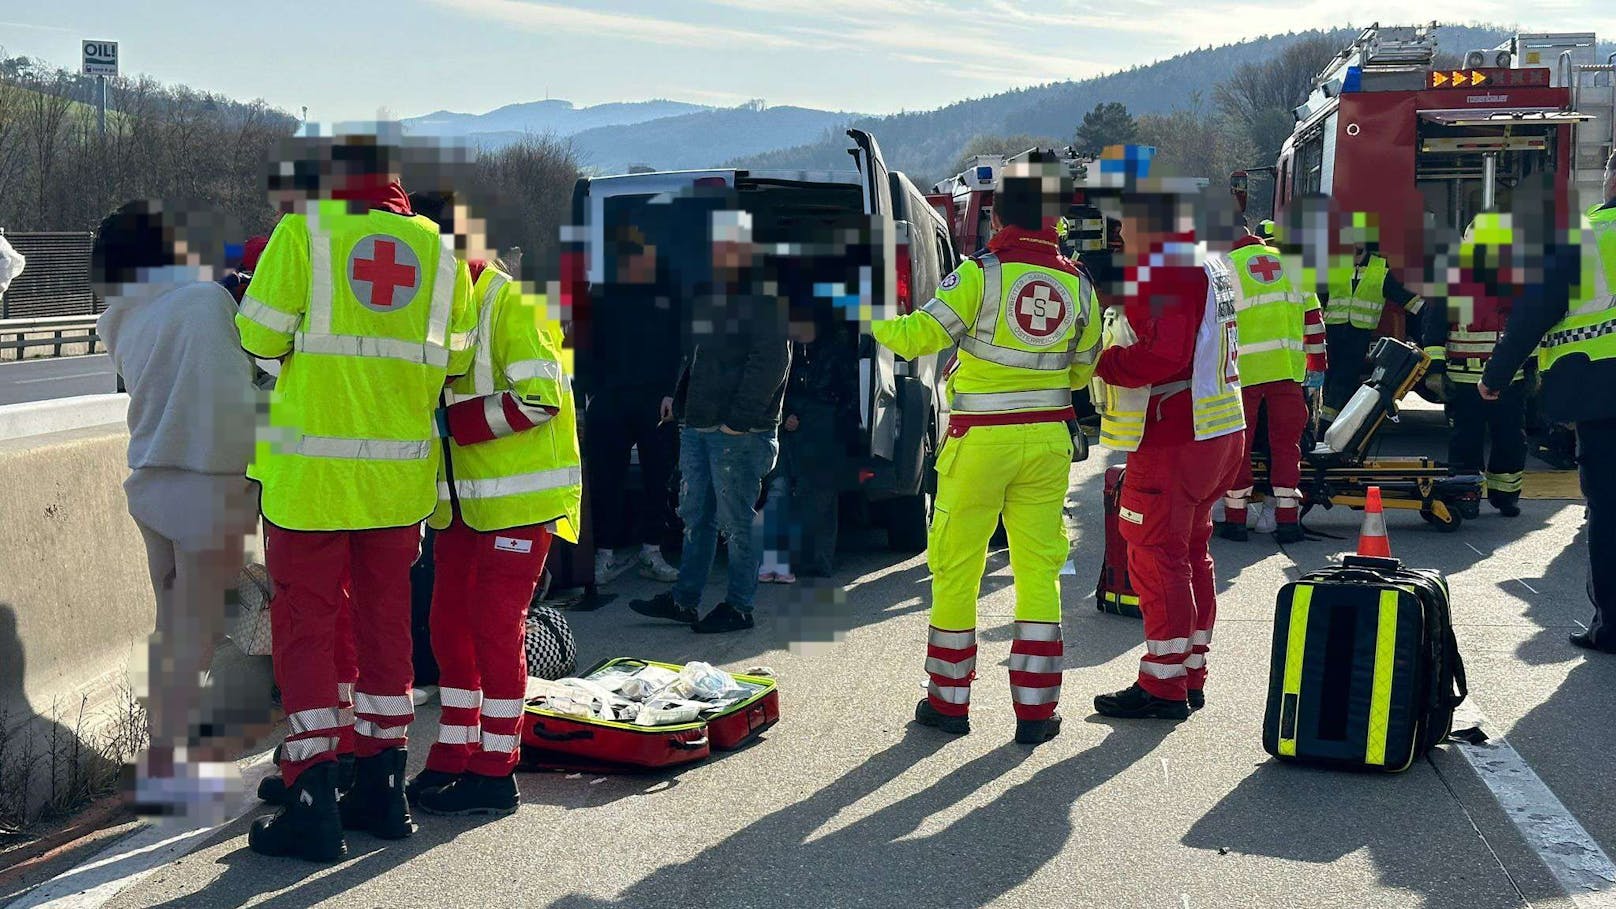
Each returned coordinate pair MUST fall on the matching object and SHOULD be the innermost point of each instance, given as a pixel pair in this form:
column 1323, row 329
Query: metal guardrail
column 49, row 331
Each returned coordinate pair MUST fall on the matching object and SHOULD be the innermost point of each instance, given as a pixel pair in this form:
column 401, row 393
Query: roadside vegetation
column 53, row 765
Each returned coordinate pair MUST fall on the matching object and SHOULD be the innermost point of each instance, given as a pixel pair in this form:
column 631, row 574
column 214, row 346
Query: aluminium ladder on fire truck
column 1593, row 92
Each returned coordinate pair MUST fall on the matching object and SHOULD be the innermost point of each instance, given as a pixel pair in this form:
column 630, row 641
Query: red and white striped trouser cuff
column 1174, row 659
column 383, row 718
column 950, row 665
column 470, row 719
column 1035, row 669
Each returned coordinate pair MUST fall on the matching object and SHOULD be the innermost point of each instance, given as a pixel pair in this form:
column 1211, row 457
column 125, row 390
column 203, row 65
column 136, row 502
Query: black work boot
column 1197, row 699
column 1507, row 503
column 272, row 789
column 1229, row 530
column 927, row 715
column 1036, row 732
column 472, row 793
column 1289, row 533
column 426, row 781
column 664, row 606
column 1135, row 703
column 723, row 619
column 376, row 803
column 308, row 826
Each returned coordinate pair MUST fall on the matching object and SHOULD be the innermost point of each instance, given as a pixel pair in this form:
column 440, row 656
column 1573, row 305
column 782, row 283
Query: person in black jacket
column 727, row 400
column 633, row 348
column 1583, row 365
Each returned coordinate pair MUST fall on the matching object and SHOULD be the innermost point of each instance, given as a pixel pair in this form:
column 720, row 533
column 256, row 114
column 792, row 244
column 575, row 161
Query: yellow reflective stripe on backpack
column 1380, row 701
column 1295, row 653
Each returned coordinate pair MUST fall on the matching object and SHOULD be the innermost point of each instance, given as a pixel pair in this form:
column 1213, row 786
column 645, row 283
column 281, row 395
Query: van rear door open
column 877, row 367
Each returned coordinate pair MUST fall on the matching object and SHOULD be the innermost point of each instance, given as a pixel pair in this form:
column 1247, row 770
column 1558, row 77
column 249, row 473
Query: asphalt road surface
column 45, row 379
column 846, row 803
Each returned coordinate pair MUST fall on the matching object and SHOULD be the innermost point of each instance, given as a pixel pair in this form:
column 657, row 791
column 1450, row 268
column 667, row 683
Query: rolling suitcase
column 553, row 740
column 1365, row 671
column 1114, row 591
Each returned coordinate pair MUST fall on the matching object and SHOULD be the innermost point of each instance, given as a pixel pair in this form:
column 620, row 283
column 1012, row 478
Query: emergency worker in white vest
column 1171, row 399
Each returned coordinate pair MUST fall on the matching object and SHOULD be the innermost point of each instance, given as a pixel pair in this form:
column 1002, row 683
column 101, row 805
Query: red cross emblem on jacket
column 1264, row 268
column 384, row 273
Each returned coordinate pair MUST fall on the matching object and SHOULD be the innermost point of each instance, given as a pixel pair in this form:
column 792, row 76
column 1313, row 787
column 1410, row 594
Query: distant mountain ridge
column 926, row 143
column 553, row 116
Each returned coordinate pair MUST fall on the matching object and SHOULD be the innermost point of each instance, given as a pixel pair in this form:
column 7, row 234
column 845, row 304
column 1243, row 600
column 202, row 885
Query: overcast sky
column 348, row 59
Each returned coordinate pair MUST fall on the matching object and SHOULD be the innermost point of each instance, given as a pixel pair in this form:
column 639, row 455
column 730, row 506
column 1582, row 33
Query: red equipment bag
column 552, row 740
column 1114, row 591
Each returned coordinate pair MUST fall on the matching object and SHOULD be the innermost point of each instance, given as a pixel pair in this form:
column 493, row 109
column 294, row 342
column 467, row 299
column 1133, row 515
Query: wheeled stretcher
column 1338, row 470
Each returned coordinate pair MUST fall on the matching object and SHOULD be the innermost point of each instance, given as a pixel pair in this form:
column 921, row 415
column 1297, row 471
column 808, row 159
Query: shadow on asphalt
column 880, row 856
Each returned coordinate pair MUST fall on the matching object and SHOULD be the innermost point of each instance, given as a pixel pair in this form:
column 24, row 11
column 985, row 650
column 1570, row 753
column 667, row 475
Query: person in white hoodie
column 170, row 331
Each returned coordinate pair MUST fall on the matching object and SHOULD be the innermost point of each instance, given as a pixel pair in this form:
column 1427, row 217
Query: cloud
column 551, row 17
column 30, row 25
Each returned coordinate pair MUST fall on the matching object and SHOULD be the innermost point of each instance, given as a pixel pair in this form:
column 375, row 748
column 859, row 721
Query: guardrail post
column 57, row 350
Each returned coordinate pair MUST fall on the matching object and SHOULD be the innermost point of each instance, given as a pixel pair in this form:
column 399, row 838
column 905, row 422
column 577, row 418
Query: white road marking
column 1477, row 551
column 98, row 880
column 1524, row 584
column 71, row 375
column 1561, row 843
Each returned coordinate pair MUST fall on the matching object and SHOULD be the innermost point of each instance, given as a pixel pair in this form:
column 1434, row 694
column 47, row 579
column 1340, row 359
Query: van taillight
column 711, row 181
column 905, row 300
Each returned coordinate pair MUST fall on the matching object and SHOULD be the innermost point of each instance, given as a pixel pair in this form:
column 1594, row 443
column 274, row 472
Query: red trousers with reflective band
column 483, row 585
column 1166, row 517
column 317, row 576
column 1287, row 418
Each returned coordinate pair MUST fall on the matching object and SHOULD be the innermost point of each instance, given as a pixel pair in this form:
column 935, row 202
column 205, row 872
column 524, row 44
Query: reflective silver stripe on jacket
column 946, row 317
column 1276, row 344
column 987, row 402
column 482, row 368
column 533, row 369
column 374, row 347
column 262, row 313
column 979, row 343
column 443, row 283
column 499, row 487
column 360, row 449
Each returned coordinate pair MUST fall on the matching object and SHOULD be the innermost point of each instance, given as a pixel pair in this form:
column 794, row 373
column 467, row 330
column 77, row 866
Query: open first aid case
column 553, row 739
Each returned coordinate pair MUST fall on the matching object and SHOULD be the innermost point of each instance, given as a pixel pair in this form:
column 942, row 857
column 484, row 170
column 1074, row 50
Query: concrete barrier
column 36, row 418
column 76, row 605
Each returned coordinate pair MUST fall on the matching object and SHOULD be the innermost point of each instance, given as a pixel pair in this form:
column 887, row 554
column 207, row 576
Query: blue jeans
column 720, row 479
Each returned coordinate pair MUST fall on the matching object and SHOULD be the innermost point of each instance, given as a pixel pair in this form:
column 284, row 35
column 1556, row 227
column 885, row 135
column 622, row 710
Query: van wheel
column 907, row 521
column 1447, row 521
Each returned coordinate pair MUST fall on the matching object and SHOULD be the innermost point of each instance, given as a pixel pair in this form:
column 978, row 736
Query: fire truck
column 1386, row 131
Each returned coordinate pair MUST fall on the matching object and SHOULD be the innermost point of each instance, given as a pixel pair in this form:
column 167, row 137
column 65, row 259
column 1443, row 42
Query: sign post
column 101, row 61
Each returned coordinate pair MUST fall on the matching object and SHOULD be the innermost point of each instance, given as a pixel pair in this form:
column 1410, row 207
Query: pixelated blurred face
column 637, row 264
column 730, row 257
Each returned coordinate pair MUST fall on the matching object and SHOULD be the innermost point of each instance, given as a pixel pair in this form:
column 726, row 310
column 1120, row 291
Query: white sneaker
column 605, row 566
column 655, row 567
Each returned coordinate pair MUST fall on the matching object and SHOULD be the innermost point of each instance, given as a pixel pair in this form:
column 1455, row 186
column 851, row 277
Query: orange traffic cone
column 1372, row 539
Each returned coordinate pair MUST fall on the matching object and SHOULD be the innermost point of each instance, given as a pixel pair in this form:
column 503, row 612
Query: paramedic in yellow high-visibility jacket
column 1027, row 322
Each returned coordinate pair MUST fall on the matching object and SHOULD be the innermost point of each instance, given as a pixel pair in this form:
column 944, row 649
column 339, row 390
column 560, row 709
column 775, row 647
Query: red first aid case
column 552, row 740
column 1114, row 591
